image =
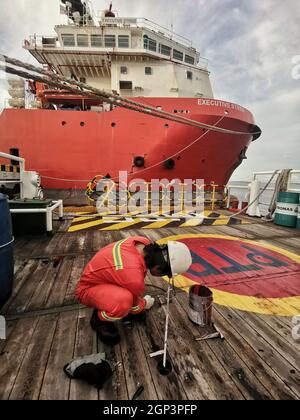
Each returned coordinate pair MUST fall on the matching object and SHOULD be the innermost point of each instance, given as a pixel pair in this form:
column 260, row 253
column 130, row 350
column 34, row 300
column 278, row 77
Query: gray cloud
column 249, row 44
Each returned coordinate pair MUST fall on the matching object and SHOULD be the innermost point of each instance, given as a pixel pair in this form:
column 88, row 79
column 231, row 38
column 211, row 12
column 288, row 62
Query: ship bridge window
column 150, row 44
column 123, row 41
column 124, row 85
column 123, row 70
column 178, row 55
column 189, row 75
column 188, row 59
column 110, row 41
column 148, row 71
column 96, row 40
column 68, row 40
column 165, row 50
column 49, row 41
column 82, row 40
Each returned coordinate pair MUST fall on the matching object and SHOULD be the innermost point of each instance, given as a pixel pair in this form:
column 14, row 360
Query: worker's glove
column 149, row 302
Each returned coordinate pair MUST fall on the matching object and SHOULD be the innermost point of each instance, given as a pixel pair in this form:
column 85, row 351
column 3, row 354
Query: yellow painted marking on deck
column 121, row 225
column 285, row 307
column 160, row 224
column 193, row 222
column 182, row 283
column 289, row 306
column 131, row 214
column 84, row 218
column 83, row 226
column 80, row 210
column 221, row 222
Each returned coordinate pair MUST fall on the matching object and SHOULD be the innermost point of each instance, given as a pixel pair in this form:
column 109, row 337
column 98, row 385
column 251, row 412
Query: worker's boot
column 141, row 317
column 106, row 331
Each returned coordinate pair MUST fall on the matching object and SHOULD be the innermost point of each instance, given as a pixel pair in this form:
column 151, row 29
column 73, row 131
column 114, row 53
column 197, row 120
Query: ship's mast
column 78, row 11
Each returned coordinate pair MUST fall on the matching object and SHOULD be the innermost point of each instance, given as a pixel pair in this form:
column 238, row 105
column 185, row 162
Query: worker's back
column 119, row 263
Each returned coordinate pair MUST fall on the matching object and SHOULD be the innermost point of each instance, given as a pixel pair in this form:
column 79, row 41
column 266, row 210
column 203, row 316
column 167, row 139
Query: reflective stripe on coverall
column 114, row 280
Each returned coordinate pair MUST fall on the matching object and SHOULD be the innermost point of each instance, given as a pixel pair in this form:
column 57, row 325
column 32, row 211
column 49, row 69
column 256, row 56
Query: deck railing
column 293, row 184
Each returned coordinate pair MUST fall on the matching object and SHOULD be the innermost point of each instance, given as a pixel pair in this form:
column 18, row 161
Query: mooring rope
column 87, row 90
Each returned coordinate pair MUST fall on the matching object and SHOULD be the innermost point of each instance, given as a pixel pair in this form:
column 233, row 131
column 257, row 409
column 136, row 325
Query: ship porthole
column 113, row 124
column 63, row 123
column 169, row 164
column 139, row 161
column 167, row 126
column 82, row 124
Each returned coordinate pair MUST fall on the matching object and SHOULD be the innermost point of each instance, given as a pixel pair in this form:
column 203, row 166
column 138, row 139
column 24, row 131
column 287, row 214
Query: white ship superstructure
column 131, row 56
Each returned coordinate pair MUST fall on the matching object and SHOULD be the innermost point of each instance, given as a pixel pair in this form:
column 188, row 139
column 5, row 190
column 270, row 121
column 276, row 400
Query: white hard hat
column 179, row 257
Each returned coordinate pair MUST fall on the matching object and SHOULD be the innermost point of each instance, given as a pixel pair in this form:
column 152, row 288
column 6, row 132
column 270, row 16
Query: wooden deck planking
column 243, row 376
column 167, row 387
column 85, row 344
column 78, row 266
column 59, row 288
column 183, row 359
column 27, row 290
column 258, row 359
column 280, row 326
column 43, row 290
column 116, row 388
column 31, row 371
column 13, row 352
column 263, row 349
column 21, row 277
column 250, row 370
column 288, row 353
column 56, row 385
column 208, row 366
column 136, row 368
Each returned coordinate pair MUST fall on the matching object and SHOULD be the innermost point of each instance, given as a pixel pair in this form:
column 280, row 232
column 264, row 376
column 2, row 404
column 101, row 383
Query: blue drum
column 6, row 252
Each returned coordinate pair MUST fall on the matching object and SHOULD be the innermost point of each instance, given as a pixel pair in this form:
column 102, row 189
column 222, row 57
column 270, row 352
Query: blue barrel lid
column 5, row 221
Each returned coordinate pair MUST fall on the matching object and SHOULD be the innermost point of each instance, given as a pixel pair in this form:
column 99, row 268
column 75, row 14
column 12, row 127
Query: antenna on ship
column 109, row 12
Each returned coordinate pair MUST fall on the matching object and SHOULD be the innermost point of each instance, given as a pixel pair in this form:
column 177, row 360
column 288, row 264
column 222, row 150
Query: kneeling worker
column 114, row 280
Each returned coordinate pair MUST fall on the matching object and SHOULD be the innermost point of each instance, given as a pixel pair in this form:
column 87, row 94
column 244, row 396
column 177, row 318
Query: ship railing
column 42, row 41
column 214, row 195
column 14, row 177
column 144, row 23
column 293, row 180
column 293, row 185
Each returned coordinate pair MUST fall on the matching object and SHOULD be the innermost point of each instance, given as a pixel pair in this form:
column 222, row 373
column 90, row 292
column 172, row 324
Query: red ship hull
column 68, row 148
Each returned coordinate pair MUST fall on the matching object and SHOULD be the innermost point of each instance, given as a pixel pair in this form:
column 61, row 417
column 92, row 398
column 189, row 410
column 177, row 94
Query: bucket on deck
column 287, row 209
column 200, row 305
column 6, row 252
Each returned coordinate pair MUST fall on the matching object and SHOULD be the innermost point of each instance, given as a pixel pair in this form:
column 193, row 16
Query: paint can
column 200, row 305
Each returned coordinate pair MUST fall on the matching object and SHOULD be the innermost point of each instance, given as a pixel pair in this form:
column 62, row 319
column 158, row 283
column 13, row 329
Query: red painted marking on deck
column 243, row 268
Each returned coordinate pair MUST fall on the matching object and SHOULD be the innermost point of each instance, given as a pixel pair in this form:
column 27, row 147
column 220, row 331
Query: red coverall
column 114, row 280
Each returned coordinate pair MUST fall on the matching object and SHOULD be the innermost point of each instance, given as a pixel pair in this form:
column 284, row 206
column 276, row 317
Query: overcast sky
column 250, row 45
